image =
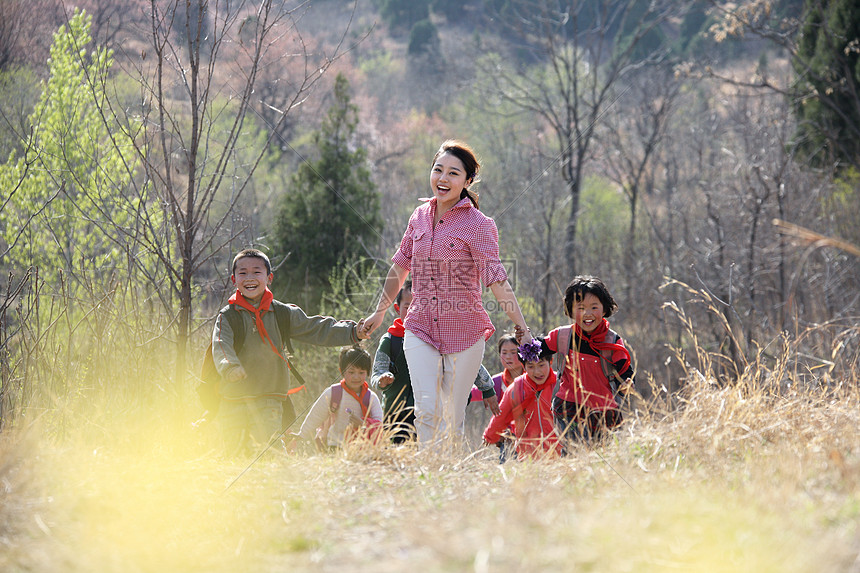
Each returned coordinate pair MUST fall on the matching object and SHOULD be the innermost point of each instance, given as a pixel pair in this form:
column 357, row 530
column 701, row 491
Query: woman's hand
column 371, row 323
column 360, row 332
column 508, row 301
column 393, row 281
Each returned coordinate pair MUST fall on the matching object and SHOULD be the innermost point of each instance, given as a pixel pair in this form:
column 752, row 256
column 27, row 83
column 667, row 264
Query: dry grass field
column 758, row 475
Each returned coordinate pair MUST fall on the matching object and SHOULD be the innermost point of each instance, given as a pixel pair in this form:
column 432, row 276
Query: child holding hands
column 248, row 353
column 597, row 368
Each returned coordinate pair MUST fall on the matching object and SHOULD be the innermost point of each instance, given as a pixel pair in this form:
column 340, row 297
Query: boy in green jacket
column 255, row 382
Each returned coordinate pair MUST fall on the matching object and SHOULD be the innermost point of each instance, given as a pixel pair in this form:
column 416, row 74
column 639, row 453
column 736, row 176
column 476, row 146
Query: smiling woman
column 451, row 249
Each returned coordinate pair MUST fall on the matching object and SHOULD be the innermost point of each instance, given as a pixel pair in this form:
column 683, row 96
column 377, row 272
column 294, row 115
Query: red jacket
column 583, row 381
column 529, row 406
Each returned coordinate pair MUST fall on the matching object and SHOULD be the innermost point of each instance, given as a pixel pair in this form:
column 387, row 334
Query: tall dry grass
column 757, row 471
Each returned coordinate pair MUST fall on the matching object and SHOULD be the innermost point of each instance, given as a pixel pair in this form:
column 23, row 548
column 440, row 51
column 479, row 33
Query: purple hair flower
column 530, row 351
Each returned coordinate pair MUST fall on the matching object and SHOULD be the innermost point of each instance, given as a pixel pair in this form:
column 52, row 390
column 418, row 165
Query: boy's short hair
column 582, row 285
column 253, row 254
column 406, row 286
column 354, row 356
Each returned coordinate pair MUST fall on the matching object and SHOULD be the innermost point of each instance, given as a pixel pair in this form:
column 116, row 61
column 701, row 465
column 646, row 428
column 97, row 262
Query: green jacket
column 266, row 372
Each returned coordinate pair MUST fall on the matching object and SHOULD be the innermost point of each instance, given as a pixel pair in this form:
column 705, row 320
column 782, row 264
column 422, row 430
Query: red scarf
column 397, row 329
column 595, row 339
column 530, row 390
column 507, row 378
column 265, row 304
column 358, row 397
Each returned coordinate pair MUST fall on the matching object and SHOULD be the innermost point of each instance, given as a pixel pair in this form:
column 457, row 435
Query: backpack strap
column 336, row 397
column 564, row 340
column 282, row 317
column 237, row 326
column 395, row 349
column 608, row 367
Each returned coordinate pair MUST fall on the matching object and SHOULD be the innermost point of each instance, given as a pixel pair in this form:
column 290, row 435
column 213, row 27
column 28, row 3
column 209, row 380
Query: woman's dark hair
column 466, row 154
column 507, row 338
column 582, row 285
column 406, row 286
column 354, row 356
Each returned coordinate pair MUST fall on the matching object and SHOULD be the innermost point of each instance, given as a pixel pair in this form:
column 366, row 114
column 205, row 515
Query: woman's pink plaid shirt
column 448, row 266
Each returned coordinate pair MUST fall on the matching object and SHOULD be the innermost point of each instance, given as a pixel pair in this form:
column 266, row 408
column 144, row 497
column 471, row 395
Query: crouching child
column 527, row 402
column 346, row 410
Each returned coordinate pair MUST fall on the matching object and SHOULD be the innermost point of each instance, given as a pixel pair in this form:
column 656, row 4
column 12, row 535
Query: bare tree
column 112, row 20
column 632, row 143
column 25, row 30
column 581, row 51
column 820, row 41
column 189, row 130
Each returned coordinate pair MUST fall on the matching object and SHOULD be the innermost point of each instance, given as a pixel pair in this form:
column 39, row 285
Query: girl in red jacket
column 528, row 404
column 598, row 371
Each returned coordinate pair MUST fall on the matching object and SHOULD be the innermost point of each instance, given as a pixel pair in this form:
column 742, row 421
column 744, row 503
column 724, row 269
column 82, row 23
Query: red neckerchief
column 358, row 397
column 239, row 300
column 532, row 389
column 595, row 339
column 508, row 378
column 397, row 329
column 265, row 304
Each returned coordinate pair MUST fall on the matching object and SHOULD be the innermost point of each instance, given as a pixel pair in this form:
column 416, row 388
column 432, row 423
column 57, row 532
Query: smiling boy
column 344, row 409
column 248, row 351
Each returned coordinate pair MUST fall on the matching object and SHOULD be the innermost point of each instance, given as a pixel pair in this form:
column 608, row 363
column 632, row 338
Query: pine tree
column 330, row 212
column 827, row 63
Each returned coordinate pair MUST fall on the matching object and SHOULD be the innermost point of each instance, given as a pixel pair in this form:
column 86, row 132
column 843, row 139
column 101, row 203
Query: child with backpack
column 346, row 409
column 391, row 375
column 527, row 402
column 596, row 369
column 248, row 353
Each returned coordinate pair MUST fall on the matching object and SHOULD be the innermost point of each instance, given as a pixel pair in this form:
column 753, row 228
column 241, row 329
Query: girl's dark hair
column 354, row 356
column 252, row 254
column 507, row 338
column 466, row 154
column 406, row 286
column 582, row 285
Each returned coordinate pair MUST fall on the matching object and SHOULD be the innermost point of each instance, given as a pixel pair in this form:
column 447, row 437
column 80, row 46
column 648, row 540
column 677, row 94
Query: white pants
column 441, row 384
